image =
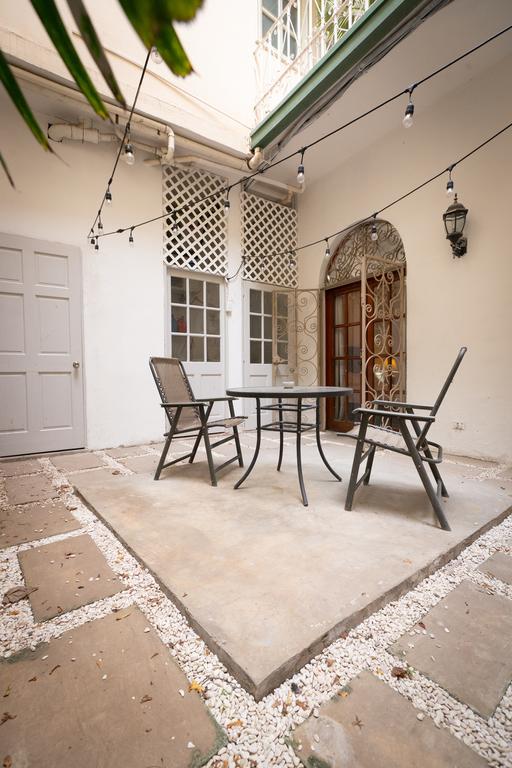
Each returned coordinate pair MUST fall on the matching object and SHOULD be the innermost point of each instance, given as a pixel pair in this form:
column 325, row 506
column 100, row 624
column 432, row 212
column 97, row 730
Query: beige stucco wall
column 451, row 302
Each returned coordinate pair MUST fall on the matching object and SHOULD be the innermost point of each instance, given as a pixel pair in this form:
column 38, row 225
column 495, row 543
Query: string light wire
column 300, row 152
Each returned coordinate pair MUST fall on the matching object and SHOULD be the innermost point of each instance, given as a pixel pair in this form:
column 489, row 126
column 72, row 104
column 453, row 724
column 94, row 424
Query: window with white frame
column 195, row 319
column 285, row 33
column 260, row 325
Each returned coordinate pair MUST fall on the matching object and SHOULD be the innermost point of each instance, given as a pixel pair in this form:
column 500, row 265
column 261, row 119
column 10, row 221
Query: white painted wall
column 124, row 287
column 450, row 302
column 215, row 101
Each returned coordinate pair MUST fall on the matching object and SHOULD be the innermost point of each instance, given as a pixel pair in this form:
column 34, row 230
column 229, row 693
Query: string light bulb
column 301, row 176
column 96, row 245
column 129, row 154
column 374, row 235
column 100, row 223
column 450, row 186
column 227, row 204
column 292, row 261
column 92, row 242
column 130, row 238
column 408, row 119
column 327, row 249
column 156, row 57
column 108, row 196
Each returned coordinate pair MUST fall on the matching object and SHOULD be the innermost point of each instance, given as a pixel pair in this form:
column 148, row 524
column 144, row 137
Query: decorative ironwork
column 196, row 238
column 303, row 32
column 268, row 228
column 379, row 265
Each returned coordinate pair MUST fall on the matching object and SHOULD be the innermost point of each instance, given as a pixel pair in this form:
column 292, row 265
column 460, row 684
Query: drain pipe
column 65, row 132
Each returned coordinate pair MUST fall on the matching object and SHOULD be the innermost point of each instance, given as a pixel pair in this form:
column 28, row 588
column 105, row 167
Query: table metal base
column 292, row 427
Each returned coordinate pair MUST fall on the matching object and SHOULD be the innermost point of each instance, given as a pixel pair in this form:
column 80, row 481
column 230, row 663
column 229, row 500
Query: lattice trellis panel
column 198, row 238
column 269, row 229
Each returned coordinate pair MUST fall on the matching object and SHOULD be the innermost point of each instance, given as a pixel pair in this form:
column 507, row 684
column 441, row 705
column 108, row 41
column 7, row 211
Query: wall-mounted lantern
column 454, row 222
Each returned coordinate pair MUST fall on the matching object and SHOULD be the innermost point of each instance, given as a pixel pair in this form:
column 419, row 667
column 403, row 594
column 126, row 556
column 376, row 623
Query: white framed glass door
column 196, row 332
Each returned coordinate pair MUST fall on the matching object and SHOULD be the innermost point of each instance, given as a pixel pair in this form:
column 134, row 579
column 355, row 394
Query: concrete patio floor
column 266, row 582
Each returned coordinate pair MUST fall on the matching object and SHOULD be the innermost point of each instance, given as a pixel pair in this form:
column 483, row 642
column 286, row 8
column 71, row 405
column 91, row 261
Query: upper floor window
column 280, row 16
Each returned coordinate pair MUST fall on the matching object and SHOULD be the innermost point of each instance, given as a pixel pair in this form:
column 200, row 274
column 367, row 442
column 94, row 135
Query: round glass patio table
column 285, row 425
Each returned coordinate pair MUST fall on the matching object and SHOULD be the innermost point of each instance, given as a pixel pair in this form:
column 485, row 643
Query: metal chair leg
column 420, row 468
column 319, row 444
column 236, row 436
column 281, row 437
column 196, row 446
column 172, row 430
column 369, row 466
column 356, row 463
column 299, row 454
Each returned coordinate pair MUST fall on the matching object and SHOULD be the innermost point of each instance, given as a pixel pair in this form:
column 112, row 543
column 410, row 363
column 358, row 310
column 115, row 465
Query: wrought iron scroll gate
column 383, row 329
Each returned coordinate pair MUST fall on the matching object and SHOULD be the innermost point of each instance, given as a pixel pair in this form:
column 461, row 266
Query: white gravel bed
column 259, row 733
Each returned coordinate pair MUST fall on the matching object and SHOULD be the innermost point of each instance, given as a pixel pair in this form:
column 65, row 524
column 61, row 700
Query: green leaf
column 50, row 17
column 92, row 42
column 19, row 101
column 6, row 171
column 153, row 22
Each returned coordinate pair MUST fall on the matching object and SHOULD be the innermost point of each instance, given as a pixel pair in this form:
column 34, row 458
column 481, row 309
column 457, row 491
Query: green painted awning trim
column 379, row 21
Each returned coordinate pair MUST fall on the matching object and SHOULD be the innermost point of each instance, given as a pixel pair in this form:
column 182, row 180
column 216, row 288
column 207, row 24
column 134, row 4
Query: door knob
column 76, row 364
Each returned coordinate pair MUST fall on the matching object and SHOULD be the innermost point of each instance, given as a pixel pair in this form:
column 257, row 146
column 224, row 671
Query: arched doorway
column 365, row 314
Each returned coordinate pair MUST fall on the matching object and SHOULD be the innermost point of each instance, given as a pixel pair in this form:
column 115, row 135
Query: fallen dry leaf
column 33, row 679
column 421, row 624
column 358, row 723
column 53, row 670
column 146, row 698
column 195, row 686
column 6, row 716
column 401, row 672
column 7, row 691
column 235, row 723
column 7, row 763
column 120, row 618
column 16, row 594
column 329, row 662
column 407, row 561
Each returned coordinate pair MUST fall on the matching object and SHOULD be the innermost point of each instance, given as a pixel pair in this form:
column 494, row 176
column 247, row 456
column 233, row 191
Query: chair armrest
column 219, row 399
column 394, row 414
column 395, row 403
column 186, row 404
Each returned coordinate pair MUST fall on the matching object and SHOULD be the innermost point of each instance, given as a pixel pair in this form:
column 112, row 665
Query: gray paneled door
column 41, row 376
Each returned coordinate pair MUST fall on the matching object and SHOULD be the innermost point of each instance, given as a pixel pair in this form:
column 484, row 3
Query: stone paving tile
column 471, row 653
column 34, row 521
column 22, row 490
column 125, row 451
column 23, row 467
column 67, row 574
column 373, row 726
column 76, row 461
column 498, row 565
column 105, row 695
column 142, row 464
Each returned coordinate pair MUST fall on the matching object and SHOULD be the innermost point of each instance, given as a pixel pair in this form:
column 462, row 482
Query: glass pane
column 340, row 374
column 212, row 295
column 339, row 310
column 266, row 23
column 254, row 300
column 282, row 304
column 255, row 351
column 179, row 347
column 354, row 402
column 179, row 319
column 196, row 320
column 282, row 350
column 267, row 327
column 339, row 342
column 354, row 373
column 195, row 288
column 197, row 349
column 178, row 290
column 354, row 306
column 267, row 346
column 340, row 408
column 272, row 6
column 213, row 350
column 354, row 340
column 267, row 303
column 213, row 321
column 255, row 327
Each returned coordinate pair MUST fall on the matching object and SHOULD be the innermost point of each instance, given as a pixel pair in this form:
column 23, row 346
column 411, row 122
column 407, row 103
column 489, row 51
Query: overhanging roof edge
column 381, row 19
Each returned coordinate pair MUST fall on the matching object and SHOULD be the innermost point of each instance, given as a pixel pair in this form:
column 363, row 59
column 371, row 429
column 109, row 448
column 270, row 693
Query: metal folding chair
column 413, row 444
column 189, row 417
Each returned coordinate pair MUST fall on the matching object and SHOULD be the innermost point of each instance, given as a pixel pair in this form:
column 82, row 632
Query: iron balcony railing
column 303, row 32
